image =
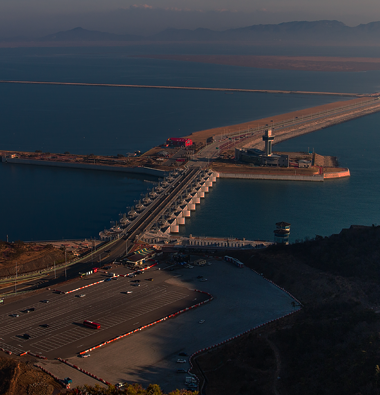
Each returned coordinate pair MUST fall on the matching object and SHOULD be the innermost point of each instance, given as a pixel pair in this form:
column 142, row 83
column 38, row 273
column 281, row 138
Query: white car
column 81, row 295
column 201, row 321
column 129, row 292
column 203, row 279
column 85, row 355
column 181, row 361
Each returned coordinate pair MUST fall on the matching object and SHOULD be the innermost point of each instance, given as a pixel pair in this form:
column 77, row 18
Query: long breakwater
column 188, row 88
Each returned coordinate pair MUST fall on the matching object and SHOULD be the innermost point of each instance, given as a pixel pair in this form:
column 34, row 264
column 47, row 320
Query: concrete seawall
column 120, row 169
column 316, row 178
column 338, row 174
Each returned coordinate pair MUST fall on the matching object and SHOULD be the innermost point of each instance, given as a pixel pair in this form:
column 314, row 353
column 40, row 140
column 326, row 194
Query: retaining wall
column 315, row 178
column 338, row 174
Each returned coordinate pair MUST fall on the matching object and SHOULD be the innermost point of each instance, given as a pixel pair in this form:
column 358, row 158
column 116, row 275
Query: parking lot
column 242, row 301
column 55, row 328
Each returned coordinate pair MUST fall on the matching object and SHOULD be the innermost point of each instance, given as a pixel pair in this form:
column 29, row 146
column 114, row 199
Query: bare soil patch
column 29, row 257
column 22, row 378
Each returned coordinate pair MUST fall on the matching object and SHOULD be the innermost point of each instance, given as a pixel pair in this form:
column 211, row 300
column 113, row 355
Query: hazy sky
column 39, row 17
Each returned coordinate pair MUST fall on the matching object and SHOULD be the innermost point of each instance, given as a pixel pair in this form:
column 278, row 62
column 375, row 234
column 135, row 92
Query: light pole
column 16, row 279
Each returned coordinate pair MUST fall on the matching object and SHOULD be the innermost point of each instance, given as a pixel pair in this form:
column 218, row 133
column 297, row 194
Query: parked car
column 26, row 336
column 181, row 361
column 129, row 292
column 45, row 301
column 44, row 325
column 181, row 371
column 67, row 380
column 201, row 321
column 85, row 355
column 107, row 279
column 182, row 354
column 81, row 295
column 14, row 315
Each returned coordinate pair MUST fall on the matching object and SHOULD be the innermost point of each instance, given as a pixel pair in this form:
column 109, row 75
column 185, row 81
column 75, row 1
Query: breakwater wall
column 314, row 178
column 339, row 174
column 131, row 170
column 187, row 88
column 311, row 125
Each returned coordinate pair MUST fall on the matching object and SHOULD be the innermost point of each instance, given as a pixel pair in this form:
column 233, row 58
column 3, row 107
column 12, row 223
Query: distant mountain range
column 318, row 32
column 80, row 34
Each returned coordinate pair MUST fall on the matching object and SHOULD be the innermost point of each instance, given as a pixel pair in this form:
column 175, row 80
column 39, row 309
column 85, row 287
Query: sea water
column 47, row 203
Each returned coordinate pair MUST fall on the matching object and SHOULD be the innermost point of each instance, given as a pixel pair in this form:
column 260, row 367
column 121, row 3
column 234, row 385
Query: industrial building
column 258, row 157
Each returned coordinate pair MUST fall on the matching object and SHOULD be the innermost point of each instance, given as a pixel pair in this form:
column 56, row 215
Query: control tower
column 268, row 138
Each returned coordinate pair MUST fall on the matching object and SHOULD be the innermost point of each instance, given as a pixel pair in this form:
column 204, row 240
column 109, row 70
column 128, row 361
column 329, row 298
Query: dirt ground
column 22, row 378
column 29, row 257
column 311, row 63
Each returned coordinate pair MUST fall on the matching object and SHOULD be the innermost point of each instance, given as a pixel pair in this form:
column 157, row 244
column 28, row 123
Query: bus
column 91, row 324
column 234, row 261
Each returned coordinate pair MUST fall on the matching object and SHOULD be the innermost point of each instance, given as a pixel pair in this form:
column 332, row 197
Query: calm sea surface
column 47, row 203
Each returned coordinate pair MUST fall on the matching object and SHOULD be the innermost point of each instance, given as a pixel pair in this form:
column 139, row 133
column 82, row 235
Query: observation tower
column 268, row 138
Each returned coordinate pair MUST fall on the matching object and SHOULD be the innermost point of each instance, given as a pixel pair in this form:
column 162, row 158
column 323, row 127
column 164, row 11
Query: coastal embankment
column 274, row 174
column 295, row 123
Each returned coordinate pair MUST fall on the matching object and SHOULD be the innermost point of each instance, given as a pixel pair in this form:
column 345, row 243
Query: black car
column 44, row 325
column 135, row 281
column 182, row 354
column 181, row 371
column 26, row 336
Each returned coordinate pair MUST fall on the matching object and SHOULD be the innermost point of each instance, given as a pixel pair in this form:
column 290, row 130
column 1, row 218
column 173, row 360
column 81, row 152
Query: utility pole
column 16, row 279
column 55, row 273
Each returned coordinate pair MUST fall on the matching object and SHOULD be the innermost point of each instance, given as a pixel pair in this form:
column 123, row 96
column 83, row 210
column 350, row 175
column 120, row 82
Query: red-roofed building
column 179, row 142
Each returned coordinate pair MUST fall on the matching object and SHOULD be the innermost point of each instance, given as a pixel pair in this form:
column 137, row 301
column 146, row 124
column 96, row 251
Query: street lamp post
column 16, row 279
